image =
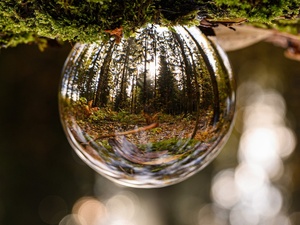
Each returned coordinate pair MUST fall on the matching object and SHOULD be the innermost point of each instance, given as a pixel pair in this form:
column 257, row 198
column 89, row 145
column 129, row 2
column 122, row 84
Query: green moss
column 287, row 26
column 24, row 21
column 261, row 10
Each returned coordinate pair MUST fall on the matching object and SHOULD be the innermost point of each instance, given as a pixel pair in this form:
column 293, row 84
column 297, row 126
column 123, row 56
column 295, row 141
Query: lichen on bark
column 25, row 21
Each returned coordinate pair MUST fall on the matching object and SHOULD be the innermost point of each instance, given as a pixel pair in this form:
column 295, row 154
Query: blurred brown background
column 43, row 182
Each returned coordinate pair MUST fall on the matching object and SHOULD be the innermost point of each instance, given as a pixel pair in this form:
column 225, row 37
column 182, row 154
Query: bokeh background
column 253, row 181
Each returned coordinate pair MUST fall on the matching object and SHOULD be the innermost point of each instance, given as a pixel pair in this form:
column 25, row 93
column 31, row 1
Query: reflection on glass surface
column 151, row 110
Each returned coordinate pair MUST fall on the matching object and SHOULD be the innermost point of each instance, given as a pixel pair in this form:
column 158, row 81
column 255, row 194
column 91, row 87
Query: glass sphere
column 151, row 110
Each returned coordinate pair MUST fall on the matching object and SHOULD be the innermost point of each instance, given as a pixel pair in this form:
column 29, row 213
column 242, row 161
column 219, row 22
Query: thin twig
column 151, row 126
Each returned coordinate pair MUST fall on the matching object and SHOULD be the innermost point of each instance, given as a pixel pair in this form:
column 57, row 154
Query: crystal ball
column 151, row 110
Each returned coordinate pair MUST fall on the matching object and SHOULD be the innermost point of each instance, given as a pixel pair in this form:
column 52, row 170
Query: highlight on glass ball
column 151, row 110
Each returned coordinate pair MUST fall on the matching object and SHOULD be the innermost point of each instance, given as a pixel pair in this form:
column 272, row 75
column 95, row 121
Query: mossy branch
column 25, row 21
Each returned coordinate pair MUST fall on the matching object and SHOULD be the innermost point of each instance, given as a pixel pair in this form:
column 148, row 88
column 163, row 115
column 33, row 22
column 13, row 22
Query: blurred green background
column 42, row 181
